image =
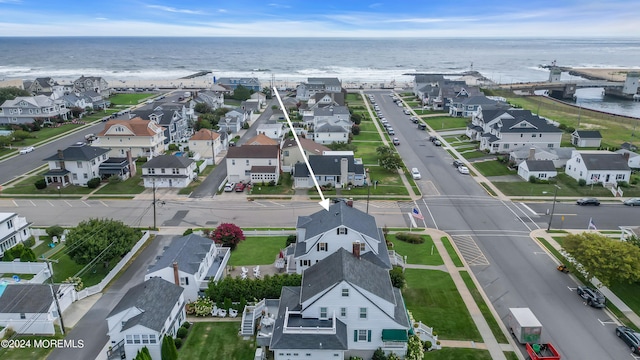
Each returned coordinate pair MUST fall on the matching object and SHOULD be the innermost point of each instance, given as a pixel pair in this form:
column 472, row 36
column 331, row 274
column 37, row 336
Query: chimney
column 344, row 171
column 60, row 154
column 532, row 154
column 176, row 275
column 625, row 155
column 132, row 164
column 356, row 250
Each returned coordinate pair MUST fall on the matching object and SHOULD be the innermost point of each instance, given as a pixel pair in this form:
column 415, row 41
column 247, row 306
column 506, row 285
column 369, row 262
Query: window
column 86, row 176
column 247, row 161
column 345, row 292
column 506, row 146
column 152, row 171
column 145, row 339
column 305, row 262
column 363, row 313
column 521, row 135
column 162, row 171
column 549, row 145
column 184, row 281
column 79, row 164
column 129, row 339
column 542, row 175
column 136, row 339
column 342, row 231
column 23, row 316
column 269, row 161
column 233, row 162
column 323, row 313
column 533, row 135
column 286, row 153
column 152, row 339
column 343, row 312
column 362, row 335
column 176, row 171
column 75, row 176
column 10, row 224
column 620, row 177
column 322, row 247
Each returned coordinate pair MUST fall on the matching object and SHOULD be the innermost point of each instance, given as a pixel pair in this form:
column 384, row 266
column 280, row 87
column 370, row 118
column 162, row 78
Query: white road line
column 68, row 203
column 275, row 203
column 516, row 215
column 102, row 202
column 435, row 225
column 604, row 323
column 32, row 203
column 15, row 203
column 571, row 288
column 528, row 208
column 50, row 203
column 84, row 202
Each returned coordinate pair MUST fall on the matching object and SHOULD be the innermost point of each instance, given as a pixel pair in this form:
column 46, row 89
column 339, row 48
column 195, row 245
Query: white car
column 229, row 187
column 463, row 169
column 416, row 174
column 27, row 150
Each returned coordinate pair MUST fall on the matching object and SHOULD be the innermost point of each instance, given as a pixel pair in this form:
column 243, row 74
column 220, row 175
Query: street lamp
column 553, row 207
column 59, row 192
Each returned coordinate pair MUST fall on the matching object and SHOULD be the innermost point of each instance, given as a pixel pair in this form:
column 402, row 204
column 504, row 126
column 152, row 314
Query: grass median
column 484, row 308
column 451, row 251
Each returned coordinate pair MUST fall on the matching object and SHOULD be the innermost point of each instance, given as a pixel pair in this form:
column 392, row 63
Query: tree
column 228, row 235
column 390, row 162
column 241, row 93
column 54, row 230
column 20, row 135
column 203, row 108
column 397, row 277
column 267, row 92
column 168, row 350
column 379, row 355
column 356, row 118
column 611, row 261
column 202, row 124
column 10, row 93
column 143, row 354
column 383, row 150
column 108, row 238
column 5, row 141
column 415, row 350
column 355, row 130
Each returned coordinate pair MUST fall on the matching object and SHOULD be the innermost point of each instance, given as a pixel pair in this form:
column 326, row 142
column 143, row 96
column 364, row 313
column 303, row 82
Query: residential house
column 500, row 131
column 29, row 309
column 233, row 121
column 146, row 313
column 206, row 143
column 291, row 154
column 253, row 163
column 346, row 306
column 451, row 91
column 72, row 100
column 168, row 171
column 628, row 146
column 467, row 106
column 26, row 109
column 194, row 261
column 14, row 229
column 325, row 99
column 142, row 137
column 559, row 155
column 335, row 170
column 421, row 81
column 633, row 159
column 342, row 227
column 337, row 115
column 215, row 99
column 275, row 131
column 261, row 139
column 171, row 117
column 260, row 98
column 92, row 83
column 306, row 90
column 43, row 86
column 233, row 82
column 539, row 169
column 604, row 167
column 586, row 138
column 75, row 165
column 250, row 106
column 327, row 133
column 95, row 99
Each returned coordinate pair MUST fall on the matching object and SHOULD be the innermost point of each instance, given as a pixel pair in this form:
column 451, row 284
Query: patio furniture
column 222, row 313
column 233, row 312
column 214, row 311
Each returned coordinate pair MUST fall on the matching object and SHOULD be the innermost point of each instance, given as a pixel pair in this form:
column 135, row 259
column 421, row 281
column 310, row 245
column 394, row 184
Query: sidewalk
column 611, row 297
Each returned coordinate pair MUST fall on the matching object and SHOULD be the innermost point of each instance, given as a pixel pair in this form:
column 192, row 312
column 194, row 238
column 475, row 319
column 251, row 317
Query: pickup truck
column 591, row 297
column 542, row 352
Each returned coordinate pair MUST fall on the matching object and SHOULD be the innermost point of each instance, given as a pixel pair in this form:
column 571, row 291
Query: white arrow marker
column 324, row 202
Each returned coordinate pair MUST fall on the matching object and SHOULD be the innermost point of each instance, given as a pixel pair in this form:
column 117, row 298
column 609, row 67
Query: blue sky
column 346, row 18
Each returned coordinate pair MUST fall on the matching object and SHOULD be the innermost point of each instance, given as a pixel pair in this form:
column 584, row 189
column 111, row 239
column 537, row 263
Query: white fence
column 38, row 269
column 99, row 287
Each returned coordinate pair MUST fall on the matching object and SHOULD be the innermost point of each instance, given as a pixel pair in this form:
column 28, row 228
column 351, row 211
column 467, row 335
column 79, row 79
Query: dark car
column 337, row 200
column 630, row 337
column 457, row 163
column 422, row 126
column 632, row 202
column 591, row 296
column 588, row 201
column 433, row 138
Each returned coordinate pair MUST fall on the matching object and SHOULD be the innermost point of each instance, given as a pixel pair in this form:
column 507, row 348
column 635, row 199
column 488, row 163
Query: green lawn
column 367, row 126
column 43, row 247
column 129, row 99
column 493, row 168
column 216, row 341
column 474, row 154
column 568, row 187
column 367, row 136
column 452, row 252
column 433, row 298
column 26, row 186
column 417, row 253
column 429, row 112
column 30, row 352
column 446, row 122
column 484, row 308
column 285, row 187
column 458, row 354
column 66, row 267
column 132, row 185
column 257, row 250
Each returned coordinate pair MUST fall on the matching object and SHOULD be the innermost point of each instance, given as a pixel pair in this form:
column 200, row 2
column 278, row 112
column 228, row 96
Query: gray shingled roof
column 168, row 161
column 155, row 297
column 324, row 80
column 81, row 152
column 540, row 165
column 188, row 251
column 344, row 266
column 400, row 313
column 289, row 297
column 606, row 161
column 327, row 165
column 339, row 214
column 26, row 298
column 588, row 134
column 329, row 128
column 253, row 152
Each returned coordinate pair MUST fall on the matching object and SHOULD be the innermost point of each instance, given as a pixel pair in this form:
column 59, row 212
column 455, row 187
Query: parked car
column 463, row 169
column 239, row 187
column 632, row 202
column 630, row 337
column 437, row 143
column 591, row 296
column 432, row 138
column 588, row 201
column 415, row 174
column 27, row 150
column 457, row 163
column 406, row 112
column 229, row 186
column 337, row 200
column 391, row 132
column 422, row 126
column 396, row 141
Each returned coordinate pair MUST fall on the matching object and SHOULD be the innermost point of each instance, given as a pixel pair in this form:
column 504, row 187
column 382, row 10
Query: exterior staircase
column 249, row 316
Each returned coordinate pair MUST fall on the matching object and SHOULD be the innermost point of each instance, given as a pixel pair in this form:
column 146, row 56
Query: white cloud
column 174, row 10
column 279, row 6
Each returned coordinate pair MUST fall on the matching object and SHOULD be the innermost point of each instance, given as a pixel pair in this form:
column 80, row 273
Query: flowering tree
column 228, row 235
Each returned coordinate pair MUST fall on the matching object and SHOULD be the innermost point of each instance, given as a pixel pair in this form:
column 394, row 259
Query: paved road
column 493, row 236
column 92, row 328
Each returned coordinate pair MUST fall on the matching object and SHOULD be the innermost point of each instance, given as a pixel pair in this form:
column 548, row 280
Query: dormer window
column 342, row 231
column 345, row 292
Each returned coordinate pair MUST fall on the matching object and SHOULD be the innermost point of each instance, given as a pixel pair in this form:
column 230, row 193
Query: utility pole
column 55, row 296
column 154, row 204
column 368, row 194
column 553, row 207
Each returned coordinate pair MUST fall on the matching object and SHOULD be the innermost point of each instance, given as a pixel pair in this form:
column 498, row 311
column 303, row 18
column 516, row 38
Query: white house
column 146, row 313
column 142, row 137
column 194, row 261
column 168, row 171
column 255, row 163
column 291, row 154
column 559, row 155
column 337, row 170
column 30, row 309
column 25, row 109
column 328, row 133
column 633, row 159
column 539, row 169
column 273, row 131
column 206, row 143
column 604, row 167
column 14, row 229
column 75, row 165
column 306, row 90
column 586, row 138
column 342, row 227
column 500, row 131
column 346, row 306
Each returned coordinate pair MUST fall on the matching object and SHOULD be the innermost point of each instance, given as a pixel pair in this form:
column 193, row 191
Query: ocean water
column 292, row 60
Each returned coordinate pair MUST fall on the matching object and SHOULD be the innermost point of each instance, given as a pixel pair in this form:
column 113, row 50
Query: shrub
column 172, row 147
column 93, row 183
column 182, row 333
column 379, row 355
column 582, row 182
column 410, row 238
column 114, row 179
column 570, row 129
column 397, row 277
column 40, row 184
column 178, row 342
column 562, row 126
column 291, row 239
column 187, row 232
column 186, row 325
column 355, row 129
column 532, row 179
column 54, row 230
column 29, row 242
column 272, row 183
column 623, row 184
